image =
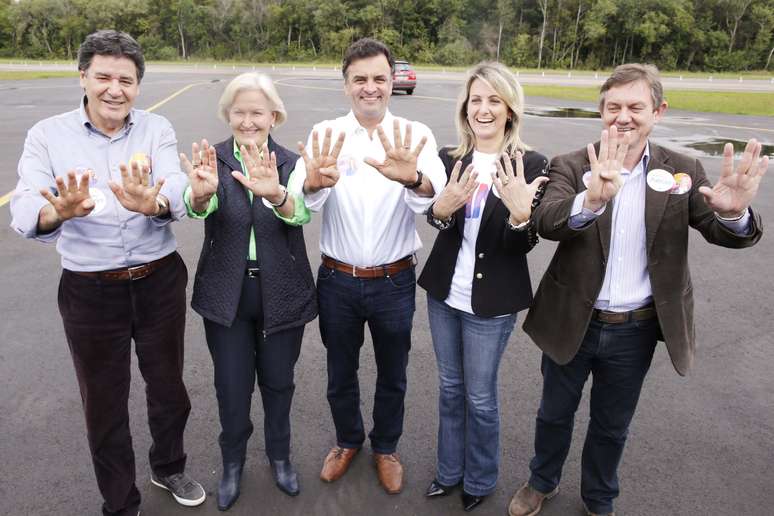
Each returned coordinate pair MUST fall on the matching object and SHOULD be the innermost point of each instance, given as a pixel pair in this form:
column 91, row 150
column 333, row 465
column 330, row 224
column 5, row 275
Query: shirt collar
column 85, row 122
column 642, row 165
column 355, row 126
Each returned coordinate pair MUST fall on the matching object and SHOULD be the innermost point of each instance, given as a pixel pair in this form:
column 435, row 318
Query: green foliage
column 715, row 35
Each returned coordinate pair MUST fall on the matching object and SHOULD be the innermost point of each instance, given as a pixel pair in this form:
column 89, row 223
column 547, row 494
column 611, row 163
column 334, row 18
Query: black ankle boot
column 228, row 491
column 285, row 476
column 470, row 502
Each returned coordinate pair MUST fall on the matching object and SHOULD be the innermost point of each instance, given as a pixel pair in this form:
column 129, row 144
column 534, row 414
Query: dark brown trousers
column 101, row 318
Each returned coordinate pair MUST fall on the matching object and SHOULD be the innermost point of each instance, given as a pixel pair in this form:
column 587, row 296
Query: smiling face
column 629, row 108
column 487, row 115
column 250, row 117
column 369, row 85
column 111, row 86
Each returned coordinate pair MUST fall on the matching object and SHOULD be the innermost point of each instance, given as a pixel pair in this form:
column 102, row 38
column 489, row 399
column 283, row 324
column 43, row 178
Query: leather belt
column 641, row 314
column 378, row 271
column 129, row 273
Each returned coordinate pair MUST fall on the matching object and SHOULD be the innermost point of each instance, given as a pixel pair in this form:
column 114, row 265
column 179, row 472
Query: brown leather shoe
column 337, row 462
column 389, row 471
column 528, row 502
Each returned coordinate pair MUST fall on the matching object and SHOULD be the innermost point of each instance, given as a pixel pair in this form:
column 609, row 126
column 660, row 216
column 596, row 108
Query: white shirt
column 627, row 282
column 368, row 219
column 461, row 287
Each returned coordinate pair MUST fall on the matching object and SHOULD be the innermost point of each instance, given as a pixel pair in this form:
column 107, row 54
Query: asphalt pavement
column 698, row 445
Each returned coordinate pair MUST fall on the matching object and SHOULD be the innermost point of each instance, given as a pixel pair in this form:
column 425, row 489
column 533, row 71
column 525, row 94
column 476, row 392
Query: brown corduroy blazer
column 564, row 301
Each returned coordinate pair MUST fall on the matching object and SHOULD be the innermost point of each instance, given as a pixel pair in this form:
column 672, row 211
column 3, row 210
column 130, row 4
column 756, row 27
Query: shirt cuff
column 581, row 217
column 211, row 207
column 301, row 214
column 740, row 227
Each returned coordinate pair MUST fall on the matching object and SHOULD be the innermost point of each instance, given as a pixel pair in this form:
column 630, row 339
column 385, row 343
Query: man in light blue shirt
column 104, row 182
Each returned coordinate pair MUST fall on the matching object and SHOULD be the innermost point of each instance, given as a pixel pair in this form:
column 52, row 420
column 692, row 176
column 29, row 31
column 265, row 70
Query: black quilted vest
column 287, row 284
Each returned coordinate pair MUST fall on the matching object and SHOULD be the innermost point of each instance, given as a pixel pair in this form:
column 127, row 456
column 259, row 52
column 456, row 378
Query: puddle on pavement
column 562, row 112
column 714, row 147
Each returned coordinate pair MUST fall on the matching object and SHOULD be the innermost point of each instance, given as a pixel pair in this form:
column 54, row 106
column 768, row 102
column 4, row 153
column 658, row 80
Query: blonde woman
column 476, row 276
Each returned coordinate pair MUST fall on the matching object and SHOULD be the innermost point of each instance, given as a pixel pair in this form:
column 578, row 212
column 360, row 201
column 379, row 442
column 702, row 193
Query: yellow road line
column 7, row 197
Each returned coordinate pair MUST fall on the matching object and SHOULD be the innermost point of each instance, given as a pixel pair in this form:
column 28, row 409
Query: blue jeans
column 468, row 349
column 346, row 304
column 618, row 356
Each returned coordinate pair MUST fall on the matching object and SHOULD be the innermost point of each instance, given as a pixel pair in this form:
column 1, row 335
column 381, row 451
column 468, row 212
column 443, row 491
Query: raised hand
column 515, row 192
column 736, row 189
column 606, row 177
column 321, row 171
column 400, row 162
column 457, row 191
column 135, row 192
column 74, row 199
column 262, row 169
column 202, row 174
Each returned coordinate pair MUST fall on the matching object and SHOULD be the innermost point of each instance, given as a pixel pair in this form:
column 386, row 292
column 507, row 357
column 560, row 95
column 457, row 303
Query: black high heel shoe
column 228, row 490
column 470, row 502
column 285, row 476
column 437, row 489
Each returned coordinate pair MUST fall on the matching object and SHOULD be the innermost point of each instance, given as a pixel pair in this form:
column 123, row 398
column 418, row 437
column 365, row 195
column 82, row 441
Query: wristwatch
column 438, row 223
column 162, row 203
column 416, row 184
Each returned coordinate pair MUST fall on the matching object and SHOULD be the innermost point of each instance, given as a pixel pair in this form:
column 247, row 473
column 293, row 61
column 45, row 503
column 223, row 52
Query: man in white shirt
column 381, row 171
column 619, row 281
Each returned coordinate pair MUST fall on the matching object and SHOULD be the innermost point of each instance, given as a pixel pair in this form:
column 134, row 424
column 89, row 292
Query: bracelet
column 731, row 219
column 438, row 223
column 416, row 184
column 524, row 226
column 284, row 199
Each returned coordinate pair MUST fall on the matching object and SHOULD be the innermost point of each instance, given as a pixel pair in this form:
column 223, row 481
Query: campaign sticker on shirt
column 99, row 201
column 347, row 165
column 660, row 180
column 142, row 159
column 683, row 184
column 587, row 179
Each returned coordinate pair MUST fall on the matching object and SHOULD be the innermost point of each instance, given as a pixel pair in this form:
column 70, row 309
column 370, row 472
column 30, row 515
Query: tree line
column 712, row 35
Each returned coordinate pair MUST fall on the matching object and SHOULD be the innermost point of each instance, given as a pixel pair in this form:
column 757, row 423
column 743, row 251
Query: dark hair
column 111, row 43
column 632, row 72
column 363, row 48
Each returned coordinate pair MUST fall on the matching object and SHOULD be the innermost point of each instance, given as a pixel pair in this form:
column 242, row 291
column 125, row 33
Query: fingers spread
column 456, row 173
column 337, row 147
column 421, row 146
column 383, row 138
column 316, row 144
column 396, row 134
column 326, row 148
column 407, row 139
column 377, row 165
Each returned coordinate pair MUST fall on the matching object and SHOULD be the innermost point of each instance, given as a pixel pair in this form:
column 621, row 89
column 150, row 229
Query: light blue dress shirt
column 110, row 237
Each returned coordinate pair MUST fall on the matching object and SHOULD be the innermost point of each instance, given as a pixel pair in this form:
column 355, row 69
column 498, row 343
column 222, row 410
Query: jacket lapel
column 655, row 202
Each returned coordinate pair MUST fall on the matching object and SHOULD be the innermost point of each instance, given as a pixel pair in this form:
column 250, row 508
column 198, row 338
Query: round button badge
column 660, row 180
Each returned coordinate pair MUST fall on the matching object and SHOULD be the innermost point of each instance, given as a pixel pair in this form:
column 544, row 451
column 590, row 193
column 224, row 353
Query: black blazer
column 504, row 286
column 287, row 284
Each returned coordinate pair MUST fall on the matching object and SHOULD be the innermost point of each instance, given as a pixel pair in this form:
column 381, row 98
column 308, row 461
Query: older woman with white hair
column 476, row 276
column 253, row 286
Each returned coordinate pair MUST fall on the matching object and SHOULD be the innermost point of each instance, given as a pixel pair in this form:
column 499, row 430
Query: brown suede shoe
column 528, row 502
column 337, row 462
column 389, row 471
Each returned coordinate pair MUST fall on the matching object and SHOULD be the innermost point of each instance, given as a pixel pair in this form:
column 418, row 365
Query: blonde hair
column 504, row 83
column 252, row 81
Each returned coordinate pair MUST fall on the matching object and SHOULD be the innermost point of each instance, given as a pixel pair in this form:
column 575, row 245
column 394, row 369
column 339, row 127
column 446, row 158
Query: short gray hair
column 252, row 81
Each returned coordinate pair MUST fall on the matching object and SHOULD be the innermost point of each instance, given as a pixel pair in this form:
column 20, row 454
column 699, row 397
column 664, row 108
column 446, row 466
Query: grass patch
column 731, row 102
column 24, row 76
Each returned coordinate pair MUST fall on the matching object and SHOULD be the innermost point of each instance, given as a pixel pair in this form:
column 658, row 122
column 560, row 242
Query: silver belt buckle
column 138, row 271
column 253, row 272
